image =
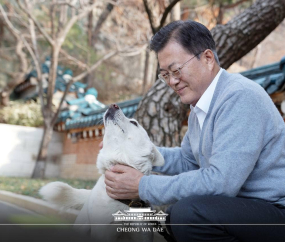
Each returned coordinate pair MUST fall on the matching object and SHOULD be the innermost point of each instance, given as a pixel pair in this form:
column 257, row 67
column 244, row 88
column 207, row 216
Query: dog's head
column 126, row 142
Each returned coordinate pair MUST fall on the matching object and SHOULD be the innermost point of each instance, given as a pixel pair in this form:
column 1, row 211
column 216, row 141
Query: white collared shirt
column 202, row 106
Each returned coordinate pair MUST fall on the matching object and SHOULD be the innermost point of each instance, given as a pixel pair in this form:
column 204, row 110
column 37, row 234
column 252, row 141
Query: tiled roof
column 87, row 117
column 63, row 76
column 270, row 77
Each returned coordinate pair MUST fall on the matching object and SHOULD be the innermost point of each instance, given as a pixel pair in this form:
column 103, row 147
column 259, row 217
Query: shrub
column 30, row 187
column 22, row 113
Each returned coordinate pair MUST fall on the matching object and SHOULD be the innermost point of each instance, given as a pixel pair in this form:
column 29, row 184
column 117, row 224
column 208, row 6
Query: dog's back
column 125, row 142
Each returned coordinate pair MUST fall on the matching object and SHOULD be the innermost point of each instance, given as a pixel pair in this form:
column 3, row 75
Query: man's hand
column 122, row 182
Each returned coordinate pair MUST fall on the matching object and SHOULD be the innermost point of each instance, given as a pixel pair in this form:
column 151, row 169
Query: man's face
column 195, row 75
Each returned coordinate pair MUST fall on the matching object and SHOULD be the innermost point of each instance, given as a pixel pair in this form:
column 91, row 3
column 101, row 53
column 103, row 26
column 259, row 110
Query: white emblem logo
column 139, row 214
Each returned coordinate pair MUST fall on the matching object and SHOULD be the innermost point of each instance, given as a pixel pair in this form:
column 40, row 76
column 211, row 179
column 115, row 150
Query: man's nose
column 173, row 80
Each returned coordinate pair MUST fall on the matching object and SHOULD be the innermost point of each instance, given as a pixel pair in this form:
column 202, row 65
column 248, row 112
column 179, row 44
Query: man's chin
column 188, row 102
column 185, row 101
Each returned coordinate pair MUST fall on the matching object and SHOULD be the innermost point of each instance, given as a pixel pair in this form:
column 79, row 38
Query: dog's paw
column 54, row 191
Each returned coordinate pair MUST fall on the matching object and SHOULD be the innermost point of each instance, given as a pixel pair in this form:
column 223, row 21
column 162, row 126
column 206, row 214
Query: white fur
column 123, row 143
column 64, row 195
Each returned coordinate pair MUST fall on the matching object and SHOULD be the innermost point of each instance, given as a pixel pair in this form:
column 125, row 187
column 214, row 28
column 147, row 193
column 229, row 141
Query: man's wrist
column 142, row 187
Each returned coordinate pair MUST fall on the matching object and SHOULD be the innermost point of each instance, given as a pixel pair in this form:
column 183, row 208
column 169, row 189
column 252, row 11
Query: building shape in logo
column 139, row 214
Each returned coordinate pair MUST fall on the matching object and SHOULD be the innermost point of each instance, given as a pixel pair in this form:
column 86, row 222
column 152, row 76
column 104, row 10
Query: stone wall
column 19, row 149
column 20, row 146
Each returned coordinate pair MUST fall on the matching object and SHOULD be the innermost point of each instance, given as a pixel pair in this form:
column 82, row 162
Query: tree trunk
column 93, row 34
column 6, row 92
column 39, row 170
column 89, row 80
column 163, row 116
column 4, row 98
column 90, row 27
column 47, row 111
column 160, row 111
column 104, row 15
column 243, row 33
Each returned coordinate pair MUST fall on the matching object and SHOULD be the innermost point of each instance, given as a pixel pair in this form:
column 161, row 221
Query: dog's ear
column 158, row 159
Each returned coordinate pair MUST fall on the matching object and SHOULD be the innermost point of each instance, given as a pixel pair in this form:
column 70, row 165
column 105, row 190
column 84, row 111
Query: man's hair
column 192, row 36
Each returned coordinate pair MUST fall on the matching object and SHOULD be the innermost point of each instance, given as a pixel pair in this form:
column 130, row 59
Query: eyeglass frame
column 178, row 69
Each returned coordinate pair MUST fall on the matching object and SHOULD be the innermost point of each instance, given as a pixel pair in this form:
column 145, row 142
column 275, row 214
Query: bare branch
column 93, row 67
column 42, row 31
column 102, row 18
column 10, row 26
column 90, row 25
column 5, row 56
column 81, row 3
column 52, row 17
column 22, row 40
column 39, row 73
column 8, row 73
column 54, row 118
column 52, row 76
column 150, row 16
column 166, row 12
column 18, row 17
column 66, row 3
column 63, row 15
column 163, row 18
column 73, row 20
column 233, row 5
column 134, row 52
column 73, row 59
column 19, row 46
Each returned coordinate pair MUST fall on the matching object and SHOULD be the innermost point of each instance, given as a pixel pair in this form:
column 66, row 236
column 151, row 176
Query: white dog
column 125, row 142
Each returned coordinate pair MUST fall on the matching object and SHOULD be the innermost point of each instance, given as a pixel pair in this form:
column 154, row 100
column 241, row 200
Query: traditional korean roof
column 270, row 77
column 91, row 114
column 83, row 113
column 63, row 76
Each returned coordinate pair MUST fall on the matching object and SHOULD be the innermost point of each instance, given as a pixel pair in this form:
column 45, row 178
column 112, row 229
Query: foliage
column 30, row 187
column 76, row 42
column 22, row 113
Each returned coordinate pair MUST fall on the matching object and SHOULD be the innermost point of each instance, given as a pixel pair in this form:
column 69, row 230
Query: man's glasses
column 165, row 77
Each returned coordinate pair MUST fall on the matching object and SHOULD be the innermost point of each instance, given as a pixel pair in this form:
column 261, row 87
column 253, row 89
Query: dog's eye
column 135, row 123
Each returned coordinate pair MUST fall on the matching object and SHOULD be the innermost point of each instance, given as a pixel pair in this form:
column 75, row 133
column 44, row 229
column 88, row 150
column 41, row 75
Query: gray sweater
column 239, row 151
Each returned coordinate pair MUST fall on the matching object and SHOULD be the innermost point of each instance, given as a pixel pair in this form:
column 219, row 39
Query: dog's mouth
column 113, row 115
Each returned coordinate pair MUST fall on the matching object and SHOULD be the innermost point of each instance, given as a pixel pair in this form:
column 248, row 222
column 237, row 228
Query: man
column 230, row 168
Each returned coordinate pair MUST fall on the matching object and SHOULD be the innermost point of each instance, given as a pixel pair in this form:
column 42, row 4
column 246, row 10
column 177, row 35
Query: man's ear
column 209, row 57
column 158, row 159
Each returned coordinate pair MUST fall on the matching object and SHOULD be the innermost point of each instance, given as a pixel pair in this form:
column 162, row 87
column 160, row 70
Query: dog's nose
column 115, row 106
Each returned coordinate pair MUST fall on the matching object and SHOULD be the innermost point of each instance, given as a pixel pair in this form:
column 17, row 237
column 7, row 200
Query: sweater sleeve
column 238, row 133
column 178, row 159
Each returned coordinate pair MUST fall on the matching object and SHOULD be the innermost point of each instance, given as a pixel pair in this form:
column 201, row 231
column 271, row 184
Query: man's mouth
column 180, row 90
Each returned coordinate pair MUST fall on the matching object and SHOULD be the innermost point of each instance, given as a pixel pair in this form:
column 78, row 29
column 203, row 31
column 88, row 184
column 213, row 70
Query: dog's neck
column 112, row 163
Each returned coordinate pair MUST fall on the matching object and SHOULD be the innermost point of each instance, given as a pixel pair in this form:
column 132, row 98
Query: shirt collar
column 205, row 100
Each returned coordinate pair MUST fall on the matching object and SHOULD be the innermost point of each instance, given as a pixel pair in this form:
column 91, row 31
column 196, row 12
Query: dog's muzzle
column 110, row 114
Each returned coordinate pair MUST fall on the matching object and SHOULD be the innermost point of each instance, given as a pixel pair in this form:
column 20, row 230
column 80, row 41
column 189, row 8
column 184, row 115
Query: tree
column 60, row 27
column 19, row 75
column 93, row 33
column 161, row 112
column 157, row 16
